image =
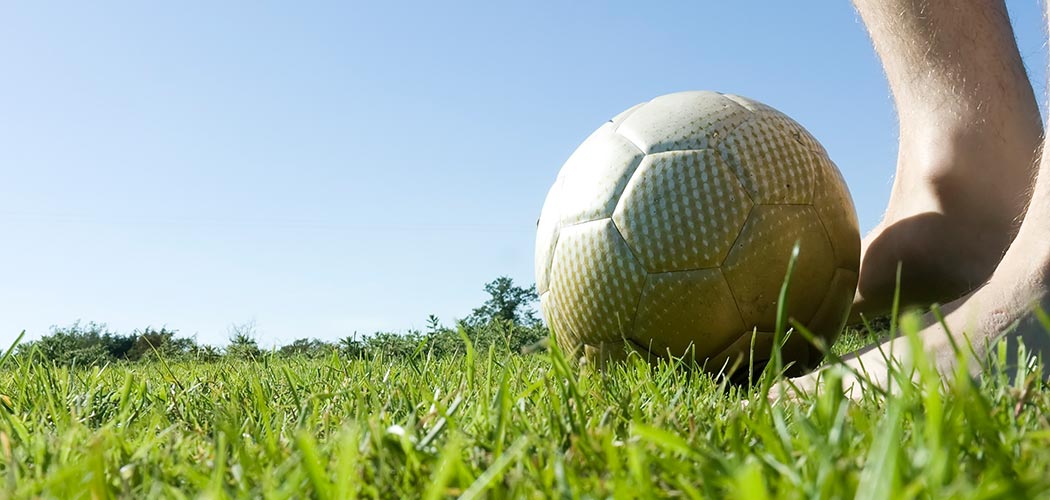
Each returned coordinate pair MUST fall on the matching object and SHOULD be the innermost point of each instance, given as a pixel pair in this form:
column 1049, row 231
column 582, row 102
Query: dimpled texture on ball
column 670, row 229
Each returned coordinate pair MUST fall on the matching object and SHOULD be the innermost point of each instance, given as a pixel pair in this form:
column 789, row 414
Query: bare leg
column 1004, row 304
column 969, row 131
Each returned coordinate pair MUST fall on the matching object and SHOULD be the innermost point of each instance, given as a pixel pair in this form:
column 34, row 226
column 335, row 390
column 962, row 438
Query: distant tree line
column 507, row 320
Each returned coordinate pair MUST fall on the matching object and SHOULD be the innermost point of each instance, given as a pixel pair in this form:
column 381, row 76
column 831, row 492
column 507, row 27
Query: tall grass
column 494, row 424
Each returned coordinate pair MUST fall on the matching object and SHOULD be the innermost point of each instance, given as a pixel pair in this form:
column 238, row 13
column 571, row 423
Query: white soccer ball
column 669, row 231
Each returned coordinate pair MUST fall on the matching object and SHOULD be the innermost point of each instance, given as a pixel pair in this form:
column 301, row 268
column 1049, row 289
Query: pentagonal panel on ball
column 595, row 175
column 687, row 308
column 547, row 235
column 772, row 158
column 681, row 210
column 834, row 206
column 684, row 120
column 596, row 282
column 758, row 262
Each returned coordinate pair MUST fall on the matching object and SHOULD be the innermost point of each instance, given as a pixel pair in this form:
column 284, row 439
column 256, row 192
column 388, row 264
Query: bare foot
column 1005, row 307
column 955, row 208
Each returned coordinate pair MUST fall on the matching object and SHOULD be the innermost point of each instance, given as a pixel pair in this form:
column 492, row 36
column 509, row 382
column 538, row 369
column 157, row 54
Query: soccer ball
column 669, row 232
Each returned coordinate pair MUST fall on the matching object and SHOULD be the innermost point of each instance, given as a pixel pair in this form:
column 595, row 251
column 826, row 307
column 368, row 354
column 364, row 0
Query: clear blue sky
column 323, row 168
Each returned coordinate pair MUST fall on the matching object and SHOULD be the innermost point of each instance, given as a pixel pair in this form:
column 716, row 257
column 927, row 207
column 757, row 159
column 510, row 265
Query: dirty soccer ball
column 668, row 232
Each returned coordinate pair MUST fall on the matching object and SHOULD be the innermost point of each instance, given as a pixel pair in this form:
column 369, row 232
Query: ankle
column 967, row 173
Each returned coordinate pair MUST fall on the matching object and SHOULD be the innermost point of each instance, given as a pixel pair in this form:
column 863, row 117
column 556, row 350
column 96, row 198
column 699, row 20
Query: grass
column 500, row 425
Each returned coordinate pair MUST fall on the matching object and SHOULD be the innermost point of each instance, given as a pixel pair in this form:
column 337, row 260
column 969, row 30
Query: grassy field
column 500, row 425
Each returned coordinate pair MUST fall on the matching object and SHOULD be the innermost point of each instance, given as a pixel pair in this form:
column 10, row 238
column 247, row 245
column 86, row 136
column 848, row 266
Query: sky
column 325, row 168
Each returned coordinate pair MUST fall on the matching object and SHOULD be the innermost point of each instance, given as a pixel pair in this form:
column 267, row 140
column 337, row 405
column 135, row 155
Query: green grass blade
column 10, row 350
column 487, row 478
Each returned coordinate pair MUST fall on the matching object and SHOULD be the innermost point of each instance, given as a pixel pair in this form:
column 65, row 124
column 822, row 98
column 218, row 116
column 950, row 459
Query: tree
column 434, row 325
column 507, row 303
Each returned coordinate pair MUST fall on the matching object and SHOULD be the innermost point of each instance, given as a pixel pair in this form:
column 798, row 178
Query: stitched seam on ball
column 827, row 234
column 554, row 251
column 728, row 168
column 628, row 245
column 617, row 126
column 631, row 141
column 736, row 302
column 743, row 189
column 739, row 233
column 641, row 294
column 708, row 268
column 580, row 223
column 641, row 291
column 549, row 264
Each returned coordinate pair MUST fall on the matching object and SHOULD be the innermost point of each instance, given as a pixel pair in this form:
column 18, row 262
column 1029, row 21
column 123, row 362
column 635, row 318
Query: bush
column 149, row 342
column 308, row 348
column 79, row 344
column 507, row 320
column 242, row 342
